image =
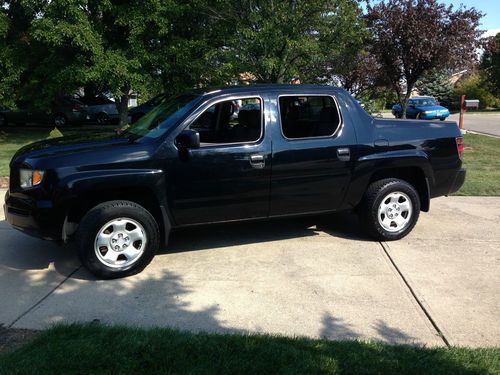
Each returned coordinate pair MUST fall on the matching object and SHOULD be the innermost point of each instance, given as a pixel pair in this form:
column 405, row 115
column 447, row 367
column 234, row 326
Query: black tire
column 442, row 118
column 374, row 196
column 102, row 118
column 98, row 217
column 60, row 119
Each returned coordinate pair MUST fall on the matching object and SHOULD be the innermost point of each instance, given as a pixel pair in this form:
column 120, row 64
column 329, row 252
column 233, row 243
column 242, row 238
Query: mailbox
column 472, row 103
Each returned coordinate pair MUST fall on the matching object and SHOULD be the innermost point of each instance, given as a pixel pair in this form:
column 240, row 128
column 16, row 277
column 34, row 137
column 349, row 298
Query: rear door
column 228, row 177
column 312, row 151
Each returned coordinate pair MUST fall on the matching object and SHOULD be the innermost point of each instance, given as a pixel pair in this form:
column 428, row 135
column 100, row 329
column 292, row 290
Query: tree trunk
column 122, row 107
column 404, row 103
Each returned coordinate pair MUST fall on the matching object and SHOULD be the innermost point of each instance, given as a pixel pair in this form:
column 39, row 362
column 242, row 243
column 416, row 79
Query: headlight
column 29, row 177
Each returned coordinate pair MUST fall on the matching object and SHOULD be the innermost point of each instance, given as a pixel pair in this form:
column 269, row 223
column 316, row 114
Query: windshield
column 157, row 121
column 426, row 102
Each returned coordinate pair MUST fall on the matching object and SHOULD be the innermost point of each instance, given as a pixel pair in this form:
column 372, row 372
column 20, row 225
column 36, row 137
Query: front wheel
column 117, row 239
column 390, row 209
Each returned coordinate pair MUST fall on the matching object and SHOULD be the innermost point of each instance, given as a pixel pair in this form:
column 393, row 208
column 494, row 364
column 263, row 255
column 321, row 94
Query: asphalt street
column 480, row 123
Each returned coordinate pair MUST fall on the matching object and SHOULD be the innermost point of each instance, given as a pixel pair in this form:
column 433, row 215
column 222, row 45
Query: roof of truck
column 256, row 88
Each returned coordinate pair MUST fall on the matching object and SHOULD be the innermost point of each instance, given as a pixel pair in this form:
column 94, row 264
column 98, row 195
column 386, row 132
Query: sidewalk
column 438, row 285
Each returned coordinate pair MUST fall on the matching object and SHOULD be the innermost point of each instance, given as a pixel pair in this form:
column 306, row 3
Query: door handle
column 257, row 161
column 344, row 154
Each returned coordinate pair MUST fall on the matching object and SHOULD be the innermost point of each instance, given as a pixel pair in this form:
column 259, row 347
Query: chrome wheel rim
column 59, row 121
column 120, row 242
column 395, row 212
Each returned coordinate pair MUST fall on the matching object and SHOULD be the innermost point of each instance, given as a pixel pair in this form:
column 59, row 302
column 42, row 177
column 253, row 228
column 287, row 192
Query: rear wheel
column 442, row 118
column 390, row 209
column 117, row 239
column 60, row 119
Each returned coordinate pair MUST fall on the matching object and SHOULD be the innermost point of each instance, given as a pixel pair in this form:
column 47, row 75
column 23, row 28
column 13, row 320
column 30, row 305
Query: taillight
column 460, row 146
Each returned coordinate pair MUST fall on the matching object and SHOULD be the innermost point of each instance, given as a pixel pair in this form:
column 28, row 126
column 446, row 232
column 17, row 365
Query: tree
column 474, row 87
column 437, row 84
column 103, row 45
column 277, row 41
column 490, row 64
column 15, row 20
column 412, row 37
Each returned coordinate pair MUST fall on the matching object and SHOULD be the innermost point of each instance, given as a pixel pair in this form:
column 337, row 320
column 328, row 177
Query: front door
column 313, row 149
column 228, row 177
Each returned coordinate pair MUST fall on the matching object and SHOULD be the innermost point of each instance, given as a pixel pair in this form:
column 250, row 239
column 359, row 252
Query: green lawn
column 482, row 160
column 12, row 139
column 97, row 349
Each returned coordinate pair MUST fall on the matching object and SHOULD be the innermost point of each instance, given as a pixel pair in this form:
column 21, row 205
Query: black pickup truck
column 229, row 154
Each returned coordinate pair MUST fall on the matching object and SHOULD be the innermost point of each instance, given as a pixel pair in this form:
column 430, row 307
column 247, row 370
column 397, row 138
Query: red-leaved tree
column 412, row 37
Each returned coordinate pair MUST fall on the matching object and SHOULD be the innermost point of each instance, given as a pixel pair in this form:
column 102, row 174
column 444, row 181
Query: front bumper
column 434, row 116
column 34, row 217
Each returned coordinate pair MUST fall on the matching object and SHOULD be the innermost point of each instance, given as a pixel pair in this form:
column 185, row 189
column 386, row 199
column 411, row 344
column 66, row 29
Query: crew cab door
column 312, row 155
column 228, row 176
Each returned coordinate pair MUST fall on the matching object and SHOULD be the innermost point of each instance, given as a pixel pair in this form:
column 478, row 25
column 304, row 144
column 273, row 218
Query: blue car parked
column 422, row 107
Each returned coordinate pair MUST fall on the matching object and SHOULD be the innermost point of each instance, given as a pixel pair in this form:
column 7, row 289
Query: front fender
column 107, row 183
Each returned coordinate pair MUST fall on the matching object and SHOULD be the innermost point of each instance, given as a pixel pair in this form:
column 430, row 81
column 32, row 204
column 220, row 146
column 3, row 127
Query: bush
column 473, row 87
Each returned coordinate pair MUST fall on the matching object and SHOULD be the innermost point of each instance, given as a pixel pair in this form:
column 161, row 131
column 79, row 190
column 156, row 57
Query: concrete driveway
column 308, row 277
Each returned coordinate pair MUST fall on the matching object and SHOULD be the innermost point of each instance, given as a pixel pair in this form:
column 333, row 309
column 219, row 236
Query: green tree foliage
column 104, row 45
column 437, row 84
column 412, row 37
column 50, row 48
column 278, row 41
column 15, row 21
column 490, row 64
column 474, row 87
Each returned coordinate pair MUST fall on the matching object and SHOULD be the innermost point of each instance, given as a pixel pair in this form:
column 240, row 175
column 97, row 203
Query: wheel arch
column 411, row 167
column 142, row 196
column 415, row 176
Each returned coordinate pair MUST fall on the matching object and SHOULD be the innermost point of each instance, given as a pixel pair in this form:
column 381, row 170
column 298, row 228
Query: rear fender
column 410, row 165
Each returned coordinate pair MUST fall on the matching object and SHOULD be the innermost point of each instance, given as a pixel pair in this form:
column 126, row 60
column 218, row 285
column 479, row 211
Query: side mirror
column 188, row 138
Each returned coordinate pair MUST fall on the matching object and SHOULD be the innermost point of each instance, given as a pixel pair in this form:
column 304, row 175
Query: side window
column 230, row 121
column 308, row 116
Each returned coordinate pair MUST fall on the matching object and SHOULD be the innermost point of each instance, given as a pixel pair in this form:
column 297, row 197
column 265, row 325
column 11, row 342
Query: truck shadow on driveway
column 342, row 225
column 22, row 252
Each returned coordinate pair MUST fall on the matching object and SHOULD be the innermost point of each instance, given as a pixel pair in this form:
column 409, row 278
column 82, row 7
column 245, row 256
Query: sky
column 491, row 8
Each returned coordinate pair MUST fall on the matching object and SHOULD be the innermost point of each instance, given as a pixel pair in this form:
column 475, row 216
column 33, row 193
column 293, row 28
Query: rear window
column 308, row 116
